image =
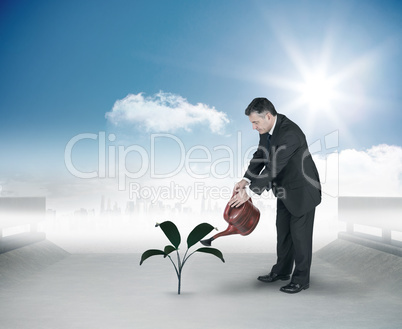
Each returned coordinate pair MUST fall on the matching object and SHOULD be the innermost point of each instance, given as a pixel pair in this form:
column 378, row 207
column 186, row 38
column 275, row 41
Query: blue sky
column 64, row 64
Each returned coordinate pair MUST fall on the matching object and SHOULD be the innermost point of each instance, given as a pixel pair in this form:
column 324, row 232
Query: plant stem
column 185, row 260
column 175, row 268
column 178, row 289
column 184, row 257
column 179, row 274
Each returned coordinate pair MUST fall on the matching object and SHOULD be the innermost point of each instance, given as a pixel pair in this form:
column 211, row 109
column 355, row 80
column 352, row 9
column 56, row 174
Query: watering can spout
column 230, row 230
column 242, row 220
column 207, row 242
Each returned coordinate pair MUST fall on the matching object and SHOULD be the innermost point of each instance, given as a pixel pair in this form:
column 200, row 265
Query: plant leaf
column 168, row 250
column 212, row 251
column 149, row 253
column 198, row 233
column 171, row 232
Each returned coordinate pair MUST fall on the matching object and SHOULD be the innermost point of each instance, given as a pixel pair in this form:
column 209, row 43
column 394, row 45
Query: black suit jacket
column 287, row 167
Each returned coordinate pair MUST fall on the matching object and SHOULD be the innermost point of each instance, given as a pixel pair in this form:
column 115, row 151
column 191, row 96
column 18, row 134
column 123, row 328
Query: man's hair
column 261, row 106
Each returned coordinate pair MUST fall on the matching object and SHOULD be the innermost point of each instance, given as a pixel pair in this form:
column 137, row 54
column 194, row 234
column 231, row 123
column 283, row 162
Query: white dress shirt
column 250, row 192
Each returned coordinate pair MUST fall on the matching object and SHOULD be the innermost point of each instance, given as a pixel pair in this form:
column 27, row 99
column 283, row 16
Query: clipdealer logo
column 113, row 159
column 114, row 162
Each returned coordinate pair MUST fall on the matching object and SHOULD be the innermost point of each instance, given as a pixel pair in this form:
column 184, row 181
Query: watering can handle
column 229, row 208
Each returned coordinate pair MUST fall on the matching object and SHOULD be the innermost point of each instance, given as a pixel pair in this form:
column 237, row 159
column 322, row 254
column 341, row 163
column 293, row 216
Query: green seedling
column 173, row 234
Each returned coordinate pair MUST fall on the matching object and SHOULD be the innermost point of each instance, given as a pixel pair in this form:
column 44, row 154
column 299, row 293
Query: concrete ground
column 351, row 287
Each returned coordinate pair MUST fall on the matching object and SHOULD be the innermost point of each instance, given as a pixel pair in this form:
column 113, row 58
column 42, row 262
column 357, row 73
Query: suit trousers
column 294, row 244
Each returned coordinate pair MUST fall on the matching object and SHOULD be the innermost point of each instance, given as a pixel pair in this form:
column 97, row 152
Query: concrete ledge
column 20, row 264
column 395, row 248
column 16, row 241
column 369, row 265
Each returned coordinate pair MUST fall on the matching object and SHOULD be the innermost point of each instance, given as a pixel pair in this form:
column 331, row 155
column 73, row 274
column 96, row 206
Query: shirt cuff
column 249, row 192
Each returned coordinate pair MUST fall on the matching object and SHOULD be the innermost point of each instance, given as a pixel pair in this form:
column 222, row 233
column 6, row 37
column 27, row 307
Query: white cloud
column 165, row 112
column 373, row 172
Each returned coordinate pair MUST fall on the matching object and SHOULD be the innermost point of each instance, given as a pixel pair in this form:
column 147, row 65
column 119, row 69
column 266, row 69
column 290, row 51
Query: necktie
column 269, row 143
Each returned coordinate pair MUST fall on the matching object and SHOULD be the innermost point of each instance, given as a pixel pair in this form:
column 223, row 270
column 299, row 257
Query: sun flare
column 317, row 91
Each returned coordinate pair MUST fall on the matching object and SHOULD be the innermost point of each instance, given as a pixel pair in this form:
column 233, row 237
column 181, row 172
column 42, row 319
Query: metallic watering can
column 242, row 220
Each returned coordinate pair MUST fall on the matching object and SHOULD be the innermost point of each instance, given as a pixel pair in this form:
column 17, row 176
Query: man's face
column 261, row 123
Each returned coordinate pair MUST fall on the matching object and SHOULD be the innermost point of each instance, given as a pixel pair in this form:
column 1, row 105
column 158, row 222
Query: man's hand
column 240, row 186
column 240, row 195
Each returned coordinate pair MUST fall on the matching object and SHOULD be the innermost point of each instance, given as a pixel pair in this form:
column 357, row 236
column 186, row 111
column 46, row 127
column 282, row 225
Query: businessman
column 284, row 164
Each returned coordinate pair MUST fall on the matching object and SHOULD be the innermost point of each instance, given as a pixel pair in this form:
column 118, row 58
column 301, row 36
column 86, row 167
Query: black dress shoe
column 293, row 288
column 272, row 277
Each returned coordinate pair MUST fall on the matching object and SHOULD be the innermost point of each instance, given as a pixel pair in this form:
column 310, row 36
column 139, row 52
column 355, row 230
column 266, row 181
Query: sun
column 317, row 84
column 317, row 91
